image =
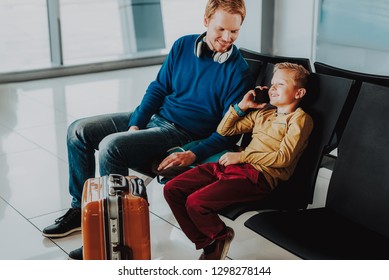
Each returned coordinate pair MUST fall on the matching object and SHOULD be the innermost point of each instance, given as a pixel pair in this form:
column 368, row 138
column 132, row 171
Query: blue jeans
column 119, row 149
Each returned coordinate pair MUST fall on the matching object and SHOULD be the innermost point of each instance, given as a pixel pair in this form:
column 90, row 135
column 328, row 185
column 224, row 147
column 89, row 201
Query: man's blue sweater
column 194, row 93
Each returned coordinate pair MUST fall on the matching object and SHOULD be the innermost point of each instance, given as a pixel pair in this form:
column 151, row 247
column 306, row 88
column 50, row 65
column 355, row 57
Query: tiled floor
column 34, row 171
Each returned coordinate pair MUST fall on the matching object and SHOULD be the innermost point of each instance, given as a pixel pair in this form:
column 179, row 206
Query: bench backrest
column 273, row 59
column 359, row 186
column 359, row 78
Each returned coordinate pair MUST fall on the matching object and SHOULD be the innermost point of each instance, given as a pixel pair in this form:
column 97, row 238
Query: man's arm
column 155, row 94
column 207, row 147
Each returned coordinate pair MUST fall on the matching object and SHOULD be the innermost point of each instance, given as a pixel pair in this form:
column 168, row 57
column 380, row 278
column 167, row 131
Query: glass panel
column 24, row 42
column 90, row 30
column 182, row 17
column 104, row 29
column 354, row 34
column 97, row 30
column 94, row 30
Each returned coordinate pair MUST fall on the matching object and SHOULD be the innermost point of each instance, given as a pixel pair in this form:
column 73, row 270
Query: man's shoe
column 221, row 247
column 77, row 254
column 65, row 225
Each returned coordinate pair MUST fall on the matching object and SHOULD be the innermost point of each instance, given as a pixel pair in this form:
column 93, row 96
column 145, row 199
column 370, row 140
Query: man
column 201, row 77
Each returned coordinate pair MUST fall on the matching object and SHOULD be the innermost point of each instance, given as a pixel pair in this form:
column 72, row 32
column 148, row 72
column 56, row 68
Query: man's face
column 222, row 30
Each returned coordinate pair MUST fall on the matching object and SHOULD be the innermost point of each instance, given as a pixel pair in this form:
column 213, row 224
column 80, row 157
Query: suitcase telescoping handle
column 117, row 185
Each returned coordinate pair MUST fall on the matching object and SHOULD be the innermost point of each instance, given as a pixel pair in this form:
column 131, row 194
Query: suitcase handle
column 120, row 183
column 117, row 182
column 138, row 187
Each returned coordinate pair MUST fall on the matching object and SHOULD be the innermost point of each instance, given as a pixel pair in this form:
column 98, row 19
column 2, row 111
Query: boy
column 279, row 136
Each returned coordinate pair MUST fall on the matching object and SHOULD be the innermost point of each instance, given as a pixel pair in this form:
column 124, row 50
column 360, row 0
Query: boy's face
column 284, row 91
column 222, row 30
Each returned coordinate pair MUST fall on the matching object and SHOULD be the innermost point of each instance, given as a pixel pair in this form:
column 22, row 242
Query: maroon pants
column 196, row 196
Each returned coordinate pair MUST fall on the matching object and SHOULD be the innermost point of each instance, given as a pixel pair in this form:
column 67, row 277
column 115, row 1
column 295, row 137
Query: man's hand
column 177, row 159
column 230, row 158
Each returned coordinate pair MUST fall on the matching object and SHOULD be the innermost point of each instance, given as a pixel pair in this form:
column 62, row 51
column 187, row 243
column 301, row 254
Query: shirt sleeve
column 155, row 93
column 232, row 123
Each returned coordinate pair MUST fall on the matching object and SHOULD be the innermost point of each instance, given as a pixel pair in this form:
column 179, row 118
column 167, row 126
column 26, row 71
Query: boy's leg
column 176, row 192
column 197, row 195
column 235, row 184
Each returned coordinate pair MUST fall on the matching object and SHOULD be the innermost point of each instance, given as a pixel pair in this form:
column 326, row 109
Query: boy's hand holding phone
column 255, row 99
column 261, row 94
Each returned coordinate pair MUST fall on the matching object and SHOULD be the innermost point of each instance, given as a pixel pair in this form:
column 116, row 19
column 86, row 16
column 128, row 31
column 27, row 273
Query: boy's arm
column 233, row 124
column 236, row 121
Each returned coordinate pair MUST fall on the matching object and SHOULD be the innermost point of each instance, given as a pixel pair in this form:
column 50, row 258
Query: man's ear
column 300, row 93
column 205, row 21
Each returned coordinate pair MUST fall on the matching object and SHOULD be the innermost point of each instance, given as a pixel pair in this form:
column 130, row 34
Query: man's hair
column 230, row 6
column 300, row 73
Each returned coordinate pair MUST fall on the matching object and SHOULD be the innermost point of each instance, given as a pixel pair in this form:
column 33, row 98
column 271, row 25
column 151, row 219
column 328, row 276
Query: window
column 24, row 41
column 91, row 30
column 354, row 34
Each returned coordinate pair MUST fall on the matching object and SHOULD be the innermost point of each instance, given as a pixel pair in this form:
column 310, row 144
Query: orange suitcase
column 115, row 219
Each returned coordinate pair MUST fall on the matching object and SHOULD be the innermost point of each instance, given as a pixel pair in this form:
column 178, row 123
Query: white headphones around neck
column 219, row 57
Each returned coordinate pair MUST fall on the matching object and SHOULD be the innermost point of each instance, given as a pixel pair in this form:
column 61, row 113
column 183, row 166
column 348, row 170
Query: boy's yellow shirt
column 277, row 143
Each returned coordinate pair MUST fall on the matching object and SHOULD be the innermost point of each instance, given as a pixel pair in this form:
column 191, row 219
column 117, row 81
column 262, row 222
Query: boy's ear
column 300, row 93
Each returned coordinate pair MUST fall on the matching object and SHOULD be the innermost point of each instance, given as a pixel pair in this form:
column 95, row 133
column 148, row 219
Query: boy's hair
column 300, row 73
column 230, row 6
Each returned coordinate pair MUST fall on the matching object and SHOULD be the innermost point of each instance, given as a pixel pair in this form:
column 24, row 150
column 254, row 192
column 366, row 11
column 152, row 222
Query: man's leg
column 119, row 149
column 83, row 138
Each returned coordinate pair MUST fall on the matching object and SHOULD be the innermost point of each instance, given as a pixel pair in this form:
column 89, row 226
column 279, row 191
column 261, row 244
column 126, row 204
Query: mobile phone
column 261, row 95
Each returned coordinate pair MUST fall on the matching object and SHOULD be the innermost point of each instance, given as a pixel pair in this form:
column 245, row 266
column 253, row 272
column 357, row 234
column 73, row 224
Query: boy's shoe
column 65, row 225
column 221, row 247
column 77, row 254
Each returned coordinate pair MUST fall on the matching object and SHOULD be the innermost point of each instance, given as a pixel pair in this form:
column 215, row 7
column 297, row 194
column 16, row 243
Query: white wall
column 250, row 33
column 295, row 28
